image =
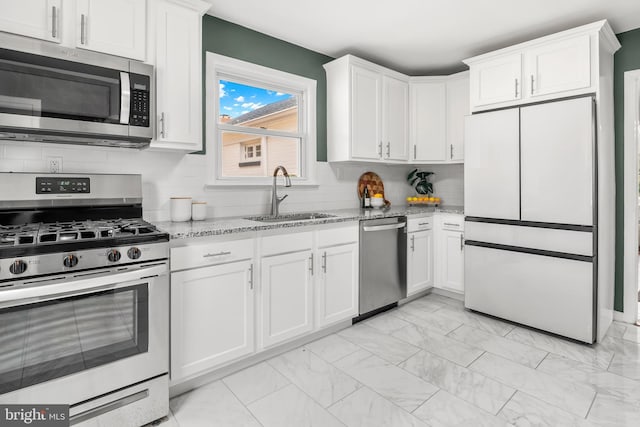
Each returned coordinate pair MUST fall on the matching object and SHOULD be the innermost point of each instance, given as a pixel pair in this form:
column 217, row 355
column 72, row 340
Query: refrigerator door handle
column 531, row 251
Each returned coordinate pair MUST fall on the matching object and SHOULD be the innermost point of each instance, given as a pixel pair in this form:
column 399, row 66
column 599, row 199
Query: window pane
column 268, row 153
column 256, row 107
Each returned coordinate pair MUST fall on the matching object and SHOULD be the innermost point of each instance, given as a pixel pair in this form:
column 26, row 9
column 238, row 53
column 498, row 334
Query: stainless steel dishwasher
column 383, row 260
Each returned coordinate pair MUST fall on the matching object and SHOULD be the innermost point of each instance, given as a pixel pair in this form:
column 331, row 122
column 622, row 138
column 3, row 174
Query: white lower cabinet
column 234, row 297
column 337, row 284
column 420, row 238
column 286, row 302
column 212, row 317
column 450, row 252
column 419, row 261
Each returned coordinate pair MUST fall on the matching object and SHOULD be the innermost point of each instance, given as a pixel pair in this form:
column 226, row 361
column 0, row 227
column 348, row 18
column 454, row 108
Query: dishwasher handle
column 384, row 227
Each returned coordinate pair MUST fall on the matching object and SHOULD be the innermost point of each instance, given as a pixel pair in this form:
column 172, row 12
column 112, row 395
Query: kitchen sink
column 289, row 217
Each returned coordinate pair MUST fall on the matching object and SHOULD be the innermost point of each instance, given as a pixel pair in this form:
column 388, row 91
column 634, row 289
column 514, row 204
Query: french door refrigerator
column 531, row 206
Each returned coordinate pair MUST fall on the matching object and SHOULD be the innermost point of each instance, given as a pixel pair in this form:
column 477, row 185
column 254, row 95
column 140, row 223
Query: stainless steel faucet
column 275, row 200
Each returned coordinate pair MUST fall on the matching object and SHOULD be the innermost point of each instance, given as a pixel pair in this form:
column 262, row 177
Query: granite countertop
column 229, row 225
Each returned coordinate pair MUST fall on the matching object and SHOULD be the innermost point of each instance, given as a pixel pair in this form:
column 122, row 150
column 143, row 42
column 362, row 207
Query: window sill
column 248, row 185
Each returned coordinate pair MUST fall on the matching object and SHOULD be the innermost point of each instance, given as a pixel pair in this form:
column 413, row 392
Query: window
column 257, row 119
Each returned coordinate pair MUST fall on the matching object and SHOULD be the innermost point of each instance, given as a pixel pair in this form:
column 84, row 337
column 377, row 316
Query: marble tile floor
column 395, row 370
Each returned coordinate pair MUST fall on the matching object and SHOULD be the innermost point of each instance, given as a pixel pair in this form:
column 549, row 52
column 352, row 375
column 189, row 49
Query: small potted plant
column 419, row 180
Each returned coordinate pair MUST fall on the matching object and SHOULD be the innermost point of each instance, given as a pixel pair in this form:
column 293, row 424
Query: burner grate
column 62, row 232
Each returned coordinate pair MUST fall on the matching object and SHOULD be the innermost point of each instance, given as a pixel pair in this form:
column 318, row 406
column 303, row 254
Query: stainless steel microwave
column 50, row 93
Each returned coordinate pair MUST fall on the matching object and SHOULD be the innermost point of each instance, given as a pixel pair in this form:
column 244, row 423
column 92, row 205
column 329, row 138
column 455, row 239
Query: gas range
column 84, row 293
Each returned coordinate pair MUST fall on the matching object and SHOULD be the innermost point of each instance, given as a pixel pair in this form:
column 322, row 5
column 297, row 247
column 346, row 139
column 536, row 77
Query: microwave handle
column 125, row 97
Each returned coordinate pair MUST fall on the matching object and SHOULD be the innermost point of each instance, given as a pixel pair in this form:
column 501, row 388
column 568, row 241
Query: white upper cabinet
column 457, row 110
column 367, row 112
column 117, row 27
column 40, row 19
column 438, row 107
column 178, row 61
column 556, row 66
column 395, row 113
column 428, row 119
column 497, row 80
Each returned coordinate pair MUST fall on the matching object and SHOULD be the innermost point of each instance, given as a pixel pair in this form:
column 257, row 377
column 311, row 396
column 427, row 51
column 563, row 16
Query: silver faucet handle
column 282, row 198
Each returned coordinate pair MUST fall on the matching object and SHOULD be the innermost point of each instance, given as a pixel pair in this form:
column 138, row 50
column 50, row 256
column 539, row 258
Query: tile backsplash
column 167, row 174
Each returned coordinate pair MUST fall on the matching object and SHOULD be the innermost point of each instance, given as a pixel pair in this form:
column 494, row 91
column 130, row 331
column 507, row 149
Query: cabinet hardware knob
column 461, row 242
column 54, row 22
column 516, row 81
column 83, row 29
column 251, row 276
column 324, row 262
column 532, row 80
column 311, row 264
column 216, row 254
column 162, row 132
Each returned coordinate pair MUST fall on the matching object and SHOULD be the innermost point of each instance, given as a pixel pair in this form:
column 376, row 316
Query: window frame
column 226, row 68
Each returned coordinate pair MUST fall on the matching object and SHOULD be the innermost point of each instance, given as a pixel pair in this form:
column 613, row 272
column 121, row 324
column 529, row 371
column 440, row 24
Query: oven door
column 69, row 339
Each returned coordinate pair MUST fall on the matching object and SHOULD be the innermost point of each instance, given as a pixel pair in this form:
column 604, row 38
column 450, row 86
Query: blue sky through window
column 237, row 99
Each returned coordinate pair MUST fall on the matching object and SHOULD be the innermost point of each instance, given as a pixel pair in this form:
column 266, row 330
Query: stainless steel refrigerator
column 531, row 212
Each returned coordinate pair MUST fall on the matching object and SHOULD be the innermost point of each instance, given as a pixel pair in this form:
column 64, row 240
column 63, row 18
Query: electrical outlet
column 55, row 164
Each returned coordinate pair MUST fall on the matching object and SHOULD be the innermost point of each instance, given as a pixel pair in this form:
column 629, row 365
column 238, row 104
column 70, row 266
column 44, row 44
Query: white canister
column 180, row 209
column 198, row 211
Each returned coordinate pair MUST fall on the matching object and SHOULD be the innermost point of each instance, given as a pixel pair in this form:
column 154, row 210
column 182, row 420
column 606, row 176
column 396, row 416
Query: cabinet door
column 457, row 110
column 337, row 295
column 453, row 261
column 286, row 297
column 491, row 168
column 497, row 80
column 40, row 19
column 395, row 114
column 419, row 261
column 211, row 317
column 559, row 67
column 428, row 121
column 117, row 27
column 366, row 140
column 178, row 82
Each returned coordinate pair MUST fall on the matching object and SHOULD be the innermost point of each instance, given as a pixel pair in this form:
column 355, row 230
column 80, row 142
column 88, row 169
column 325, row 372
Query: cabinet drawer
column 417, row 224
column 452, row 222
column 284, row 243
column 338, row 235
column 211, row 253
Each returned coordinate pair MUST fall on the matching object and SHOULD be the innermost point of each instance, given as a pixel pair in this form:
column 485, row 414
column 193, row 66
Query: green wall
column 625, row 59
column 226, row 38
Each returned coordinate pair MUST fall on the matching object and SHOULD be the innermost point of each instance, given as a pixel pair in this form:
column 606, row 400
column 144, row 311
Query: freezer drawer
column 548, row 239
column 548, row 293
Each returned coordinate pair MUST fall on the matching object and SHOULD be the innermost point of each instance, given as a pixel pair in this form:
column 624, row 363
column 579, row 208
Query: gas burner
column 64, row 232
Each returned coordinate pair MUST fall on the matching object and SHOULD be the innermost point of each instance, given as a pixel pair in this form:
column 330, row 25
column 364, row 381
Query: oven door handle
column 76, row 285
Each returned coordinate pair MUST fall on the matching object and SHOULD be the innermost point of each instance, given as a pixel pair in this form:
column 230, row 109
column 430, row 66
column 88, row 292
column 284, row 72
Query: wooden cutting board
column 372, row 181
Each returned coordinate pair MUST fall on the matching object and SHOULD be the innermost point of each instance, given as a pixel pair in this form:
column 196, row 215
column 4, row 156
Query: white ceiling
column 420, row 36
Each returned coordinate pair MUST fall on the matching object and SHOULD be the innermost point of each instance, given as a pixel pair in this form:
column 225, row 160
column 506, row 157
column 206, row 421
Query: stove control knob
column 18, row 267
column 134, row 253
column 114, row 255
column 70, row 260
